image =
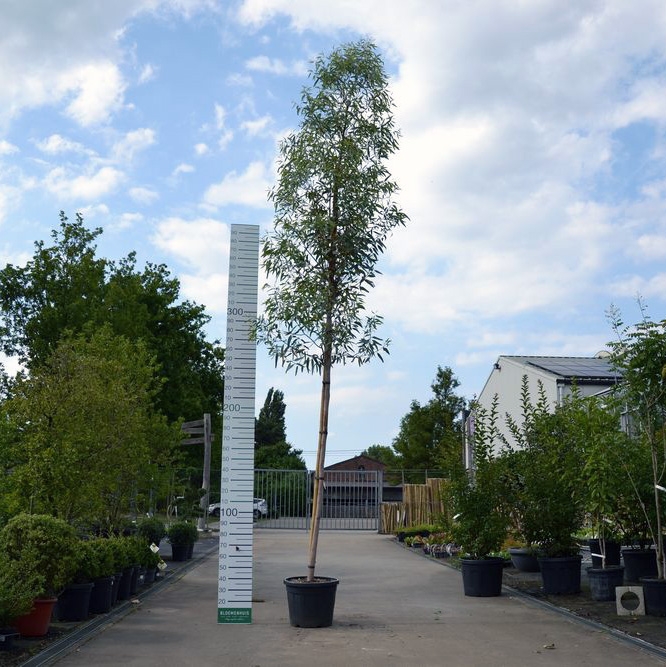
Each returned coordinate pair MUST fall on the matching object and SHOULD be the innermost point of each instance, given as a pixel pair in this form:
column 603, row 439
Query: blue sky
column 532, row 166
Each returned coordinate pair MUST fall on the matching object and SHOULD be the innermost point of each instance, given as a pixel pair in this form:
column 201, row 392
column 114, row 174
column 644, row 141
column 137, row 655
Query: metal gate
column 351, row 499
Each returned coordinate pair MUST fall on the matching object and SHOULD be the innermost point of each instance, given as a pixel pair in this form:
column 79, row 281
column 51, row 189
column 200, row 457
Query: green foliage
column 430, row 434
column 182, row 532
column 20, row 585
column 639, row 354
column 67, row 288
column 272, row 451
column 334, row 210
column 269, row 427
column 550, row 490
column 333, row 213
column 88, row 431
column 43, row 545
column 120, row 553
column 96, row 559
column 480, row 521
column 386, row 455
column 151, row 529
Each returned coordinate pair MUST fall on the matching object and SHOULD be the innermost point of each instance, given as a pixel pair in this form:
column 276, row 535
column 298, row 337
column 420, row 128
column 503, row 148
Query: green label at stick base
column 226, row 615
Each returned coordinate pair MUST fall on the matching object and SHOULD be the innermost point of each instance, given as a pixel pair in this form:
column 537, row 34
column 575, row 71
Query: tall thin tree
column 334, row 210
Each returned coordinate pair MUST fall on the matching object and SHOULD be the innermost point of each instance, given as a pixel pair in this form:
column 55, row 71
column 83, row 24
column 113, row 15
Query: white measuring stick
column 234, row 591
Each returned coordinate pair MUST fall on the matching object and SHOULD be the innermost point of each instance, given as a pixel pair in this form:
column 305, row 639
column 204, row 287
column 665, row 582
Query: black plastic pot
column 654, row 594
column 524, row 560
column 561, row 575
column 74, row 602
column 639, row 563
column 125, row 583
column 311, row 604
column 101, row 596
column 613, row 552
column 179, row 552
column 149, row 576
column 604, row 580
column 134, row 580
column 482, row 578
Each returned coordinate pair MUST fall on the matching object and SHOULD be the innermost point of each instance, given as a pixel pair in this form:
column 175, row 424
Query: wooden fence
column 421, row 504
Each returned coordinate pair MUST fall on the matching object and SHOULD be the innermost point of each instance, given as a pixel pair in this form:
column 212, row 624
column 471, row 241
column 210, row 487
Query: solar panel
column 569, row 367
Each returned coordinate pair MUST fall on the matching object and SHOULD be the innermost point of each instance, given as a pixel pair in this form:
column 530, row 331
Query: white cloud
column 225, row 134
column 127, row 221
column 98, row 92
column 6, row 148
column 249, row 188
column 276, row 66
column 143, row 195
column 132, row 143
column 56, row 144
column 182, row 168
column 202, row 245
column 241, row 80
column 104, row 181
column 256, row 127
column 148, row 73
column 201, row 149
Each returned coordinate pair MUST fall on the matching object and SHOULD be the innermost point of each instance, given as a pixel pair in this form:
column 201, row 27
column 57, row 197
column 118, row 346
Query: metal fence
column 351, row 499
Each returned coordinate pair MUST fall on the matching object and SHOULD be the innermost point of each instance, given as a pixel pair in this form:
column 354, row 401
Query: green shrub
column 44, row 545
column 19, row 586
column 152, row 530
column 120, row 553
column 182, row 532
column 95, row 560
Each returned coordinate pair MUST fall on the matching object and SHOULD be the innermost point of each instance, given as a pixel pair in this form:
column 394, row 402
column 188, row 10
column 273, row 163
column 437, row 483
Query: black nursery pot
column 74, row 602
column 603, row 581
column 561, row 576
column 639, row 563
column 482, row 578
column 613, row 552
column 311, row 603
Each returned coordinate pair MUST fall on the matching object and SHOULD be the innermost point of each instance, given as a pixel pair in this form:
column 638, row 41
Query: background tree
column 65, row 288
column 272, row 451
column 334, row 209
column 430, row 435
column 269, row 427
column 87, row 434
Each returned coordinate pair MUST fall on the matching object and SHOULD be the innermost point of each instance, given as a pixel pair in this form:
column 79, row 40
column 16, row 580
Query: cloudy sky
column 532, row 166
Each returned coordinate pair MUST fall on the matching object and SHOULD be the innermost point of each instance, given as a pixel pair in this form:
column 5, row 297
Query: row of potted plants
column 43, row 562
column 572, row 470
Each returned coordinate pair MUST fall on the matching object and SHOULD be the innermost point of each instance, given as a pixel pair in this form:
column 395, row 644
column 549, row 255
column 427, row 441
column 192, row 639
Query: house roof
column 587, row 369
column 355, row 462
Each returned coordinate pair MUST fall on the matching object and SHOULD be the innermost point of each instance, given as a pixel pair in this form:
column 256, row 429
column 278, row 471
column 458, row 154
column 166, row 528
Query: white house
column 591, row 375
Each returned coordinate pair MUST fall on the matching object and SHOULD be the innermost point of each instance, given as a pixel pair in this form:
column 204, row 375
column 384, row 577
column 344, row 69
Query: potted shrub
column 46, row 546
column 332, row 219
column 19, row 586
column 521, row 544
column 552, row 488
column 152, row 530
column 101, row 571
column 480, row 518
column 123, row 566
column 74, row 601
column 182, row 536
column 605, row 451
column 639, row 355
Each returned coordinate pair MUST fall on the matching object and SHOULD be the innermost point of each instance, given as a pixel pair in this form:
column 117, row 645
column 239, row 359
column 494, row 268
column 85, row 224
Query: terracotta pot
column 36, row 623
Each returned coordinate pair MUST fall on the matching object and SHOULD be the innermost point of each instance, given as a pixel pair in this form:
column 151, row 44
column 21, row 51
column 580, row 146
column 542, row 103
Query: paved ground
column 393, row 608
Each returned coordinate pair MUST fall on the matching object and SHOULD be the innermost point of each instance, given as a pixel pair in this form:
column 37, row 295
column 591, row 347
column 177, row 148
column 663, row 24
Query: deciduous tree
column 334, row 208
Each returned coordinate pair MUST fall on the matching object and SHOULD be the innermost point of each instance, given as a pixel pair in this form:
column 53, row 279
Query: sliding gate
column 351, row 499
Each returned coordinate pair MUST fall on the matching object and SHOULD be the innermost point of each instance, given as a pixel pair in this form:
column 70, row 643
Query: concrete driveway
column 393, row 608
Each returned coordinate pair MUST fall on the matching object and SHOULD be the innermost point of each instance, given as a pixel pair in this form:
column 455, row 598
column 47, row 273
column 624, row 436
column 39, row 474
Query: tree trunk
column 318, row 493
